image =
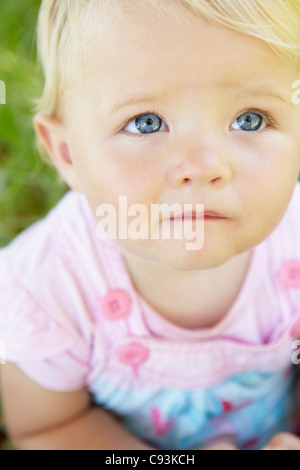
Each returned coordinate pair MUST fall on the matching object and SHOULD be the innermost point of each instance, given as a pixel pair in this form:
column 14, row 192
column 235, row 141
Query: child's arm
column 283, row 441
column 40, row 419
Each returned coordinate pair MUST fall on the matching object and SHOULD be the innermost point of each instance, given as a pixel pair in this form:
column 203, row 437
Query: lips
column 208, row 214
column 213, row 215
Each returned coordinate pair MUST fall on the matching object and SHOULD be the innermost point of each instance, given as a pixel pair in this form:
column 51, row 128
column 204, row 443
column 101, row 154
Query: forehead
column 174, row 50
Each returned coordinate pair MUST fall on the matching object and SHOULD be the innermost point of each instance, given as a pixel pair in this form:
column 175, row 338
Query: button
column 133, row 354
column 289, row 274
column 115, row 304
column 295, row 331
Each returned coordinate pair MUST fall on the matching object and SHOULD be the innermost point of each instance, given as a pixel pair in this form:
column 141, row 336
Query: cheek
column 269, row 168
column 267, row 184
column 111, row 173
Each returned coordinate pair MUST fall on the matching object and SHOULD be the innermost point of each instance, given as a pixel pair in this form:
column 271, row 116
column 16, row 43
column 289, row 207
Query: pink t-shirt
column 70, row 317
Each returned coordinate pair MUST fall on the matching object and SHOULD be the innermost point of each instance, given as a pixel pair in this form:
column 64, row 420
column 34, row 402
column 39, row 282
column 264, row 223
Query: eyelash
column 267, row 115
column 125, row 124
column 264, row 113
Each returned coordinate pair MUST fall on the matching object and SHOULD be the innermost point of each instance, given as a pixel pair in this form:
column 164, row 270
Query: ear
column 53, row 137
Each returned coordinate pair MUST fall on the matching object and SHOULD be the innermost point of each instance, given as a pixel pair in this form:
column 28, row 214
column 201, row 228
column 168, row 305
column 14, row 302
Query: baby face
column 176, row 110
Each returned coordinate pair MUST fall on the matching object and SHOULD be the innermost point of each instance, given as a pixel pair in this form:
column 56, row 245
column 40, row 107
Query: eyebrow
column 132, row 99
column 267, row 91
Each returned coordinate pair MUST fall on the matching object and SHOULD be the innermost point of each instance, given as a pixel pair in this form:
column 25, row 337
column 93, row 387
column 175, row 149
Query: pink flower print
column 251, row 444
column 161, row 427
column 227, row 406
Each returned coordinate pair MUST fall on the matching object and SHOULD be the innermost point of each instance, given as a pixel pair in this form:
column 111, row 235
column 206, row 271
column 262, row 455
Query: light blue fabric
column 246, row 410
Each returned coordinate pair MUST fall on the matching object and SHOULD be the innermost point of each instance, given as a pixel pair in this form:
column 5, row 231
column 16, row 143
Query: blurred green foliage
column 29, row 188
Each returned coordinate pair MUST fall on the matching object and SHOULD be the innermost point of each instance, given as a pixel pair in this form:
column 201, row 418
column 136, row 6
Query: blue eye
column 145, row 124
column 249, row 121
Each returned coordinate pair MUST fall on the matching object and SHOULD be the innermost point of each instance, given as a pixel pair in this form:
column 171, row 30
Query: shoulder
column 39, row 280
column 51, row 246
column 67, row 223
column 49, row 283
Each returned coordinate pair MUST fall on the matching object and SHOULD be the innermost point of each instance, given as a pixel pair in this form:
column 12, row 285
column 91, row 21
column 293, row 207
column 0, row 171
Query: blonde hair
column 62, row 25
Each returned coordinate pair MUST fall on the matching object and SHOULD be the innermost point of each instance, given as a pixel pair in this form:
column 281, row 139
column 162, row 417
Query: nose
column 200, row 160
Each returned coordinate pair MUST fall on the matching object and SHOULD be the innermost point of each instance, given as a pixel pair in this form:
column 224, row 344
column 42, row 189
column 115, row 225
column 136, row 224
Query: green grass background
column 28, row 187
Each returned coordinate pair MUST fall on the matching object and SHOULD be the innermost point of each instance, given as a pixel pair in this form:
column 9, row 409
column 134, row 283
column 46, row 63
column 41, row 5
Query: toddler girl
column 114, row 340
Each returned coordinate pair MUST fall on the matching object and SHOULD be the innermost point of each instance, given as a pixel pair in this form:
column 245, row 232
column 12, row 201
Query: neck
column 191, row 299
column 148, row 271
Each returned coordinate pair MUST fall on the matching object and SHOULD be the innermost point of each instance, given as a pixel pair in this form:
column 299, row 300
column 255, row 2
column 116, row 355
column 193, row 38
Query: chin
column 172, row 254
column 191, row 260
column 195, row 264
